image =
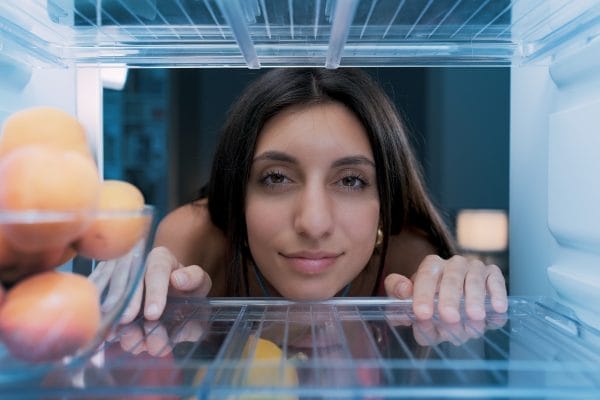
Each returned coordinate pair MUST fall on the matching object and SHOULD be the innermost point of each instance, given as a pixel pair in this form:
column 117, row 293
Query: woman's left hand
column 451, row 280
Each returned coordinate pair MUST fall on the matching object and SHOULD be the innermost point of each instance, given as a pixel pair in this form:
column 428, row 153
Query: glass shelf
column 342, row 348
column 255, row 33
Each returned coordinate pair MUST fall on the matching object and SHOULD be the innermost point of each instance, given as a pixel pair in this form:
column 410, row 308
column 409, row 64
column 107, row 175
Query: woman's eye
column 274, row 178
column 353, row 182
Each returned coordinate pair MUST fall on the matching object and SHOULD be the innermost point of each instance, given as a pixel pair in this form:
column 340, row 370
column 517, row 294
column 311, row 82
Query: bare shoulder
column 190, row 235
column 407, row 250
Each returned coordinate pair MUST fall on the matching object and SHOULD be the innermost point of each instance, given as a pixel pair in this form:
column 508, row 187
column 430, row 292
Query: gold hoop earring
column 379, row 238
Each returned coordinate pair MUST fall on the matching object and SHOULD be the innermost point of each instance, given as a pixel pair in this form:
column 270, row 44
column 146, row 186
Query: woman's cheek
column 264, row 220
column 360, row 221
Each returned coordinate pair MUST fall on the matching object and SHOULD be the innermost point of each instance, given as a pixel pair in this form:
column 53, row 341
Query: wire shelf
column 331, row 33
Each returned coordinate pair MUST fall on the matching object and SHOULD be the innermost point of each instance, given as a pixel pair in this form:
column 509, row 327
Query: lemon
column 260, row 365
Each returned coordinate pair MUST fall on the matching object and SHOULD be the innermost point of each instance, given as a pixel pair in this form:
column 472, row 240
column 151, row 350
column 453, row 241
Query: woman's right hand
column 165, row 275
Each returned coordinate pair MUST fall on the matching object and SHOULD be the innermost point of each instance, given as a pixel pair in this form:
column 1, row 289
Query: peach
column 49, row 315
column 15, row 264
column 44, row 179
column 43, row 126
column 113, row 236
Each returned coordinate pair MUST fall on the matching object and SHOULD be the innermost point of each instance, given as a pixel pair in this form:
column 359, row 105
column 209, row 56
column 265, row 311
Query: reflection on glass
column 351, row 348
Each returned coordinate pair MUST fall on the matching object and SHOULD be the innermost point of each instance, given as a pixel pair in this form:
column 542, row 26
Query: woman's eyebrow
column 273, row 155
column 276, row 156
column 353, row 160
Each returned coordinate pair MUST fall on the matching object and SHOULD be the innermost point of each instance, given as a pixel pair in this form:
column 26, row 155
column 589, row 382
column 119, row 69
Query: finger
column 191, row 278
column 452, row 332
column 159, row 264
column 426, row 333
column 132, row 339
column 475, row 329
column 101, row 274
column 157, row 339
column 425, row 286
column 133, row 307
column 118, row 283
column 399, row 314
column 452, row 289
column 398, row 286
column 496, row 321
column 496, row 288
column 191, row 331
column 475, row 291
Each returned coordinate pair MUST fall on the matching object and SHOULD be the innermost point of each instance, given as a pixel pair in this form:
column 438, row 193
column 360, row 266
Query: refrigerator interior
column 74, row 47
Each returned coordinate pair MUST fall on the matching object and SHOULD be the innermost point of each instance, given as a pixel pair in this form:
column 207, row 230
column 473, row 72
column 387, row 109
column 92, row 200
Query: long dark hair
column 402, row 195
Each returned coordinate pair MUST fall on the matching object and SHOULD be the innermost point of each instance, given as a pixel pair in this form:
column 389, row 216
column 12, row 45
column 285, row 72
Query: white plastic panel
column 573, row 199
column 532, row 246
column 573, row 176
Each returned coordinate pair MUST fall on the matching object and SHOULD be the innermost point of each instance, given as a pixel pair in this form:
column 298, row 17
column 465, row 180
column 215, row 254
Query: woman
column 314, row 193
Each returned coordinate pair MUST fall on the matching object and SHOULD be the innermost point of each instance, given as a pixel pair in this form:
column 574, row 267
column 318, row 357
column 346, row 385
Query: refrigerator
column 62, row 53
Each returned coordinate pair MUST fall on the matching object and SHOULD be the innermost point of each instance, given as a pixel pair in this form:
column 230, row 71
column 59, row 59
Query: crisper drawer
column 342, row 348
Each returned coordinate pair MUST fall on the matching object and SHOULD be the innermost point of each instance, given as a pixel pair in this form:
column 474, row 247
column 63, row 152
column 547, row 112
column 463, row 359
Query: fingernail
column 152, row 311
column 179, row 278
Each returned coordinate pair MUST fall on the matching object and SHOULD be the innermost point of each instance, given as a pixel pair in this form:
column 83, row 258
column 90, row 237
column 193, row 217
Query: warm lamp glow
column 482, row 230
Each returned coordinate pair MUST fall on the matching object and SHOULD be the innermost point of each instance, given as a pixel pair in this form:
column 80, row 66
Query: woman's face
column 312, row 206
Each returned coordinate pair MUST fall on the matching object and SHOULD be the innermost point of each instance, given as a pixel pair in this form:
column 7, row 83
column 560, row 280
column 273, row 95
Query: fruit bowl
column 61, row 300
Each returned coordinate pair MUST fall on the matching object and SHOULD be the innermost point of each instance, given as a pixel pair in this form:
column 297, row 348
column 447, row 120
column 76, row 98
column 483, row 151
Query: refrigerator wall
column 555, row 157
column 52, row 52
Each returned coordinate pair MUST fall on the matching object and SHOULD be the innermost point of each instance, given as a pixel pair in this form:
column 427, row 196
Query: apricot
column 43, row 126
column 15, row 264
column 111, row 236
column 47, row 180
column 49, row 315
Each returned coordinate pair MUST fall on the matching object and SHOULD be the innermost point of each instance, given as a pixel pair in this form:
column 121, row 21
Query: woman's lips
column 311, row 263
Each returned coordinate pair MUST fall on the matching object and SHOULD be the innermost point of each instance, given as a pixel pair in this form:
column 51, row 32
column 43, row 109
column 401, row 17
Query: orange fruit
column 45, row 179
column 111, row 236
column 49, row 315
column 43, row 126
column 8, row 255
column 15, row 264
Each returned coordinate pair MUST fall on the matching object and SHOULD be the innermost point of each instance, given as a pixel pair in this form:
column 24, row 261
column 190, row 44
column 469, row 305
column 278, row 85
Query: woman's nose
column 313, row 217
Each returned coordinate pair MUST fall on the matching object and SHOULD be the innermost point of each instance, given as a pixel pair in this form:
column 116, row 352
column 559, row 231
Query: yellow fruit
column 113, row 236
column 43, row 126
column 44, row 179
column 261, row 362
column 265, row 367
column 49, row 315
